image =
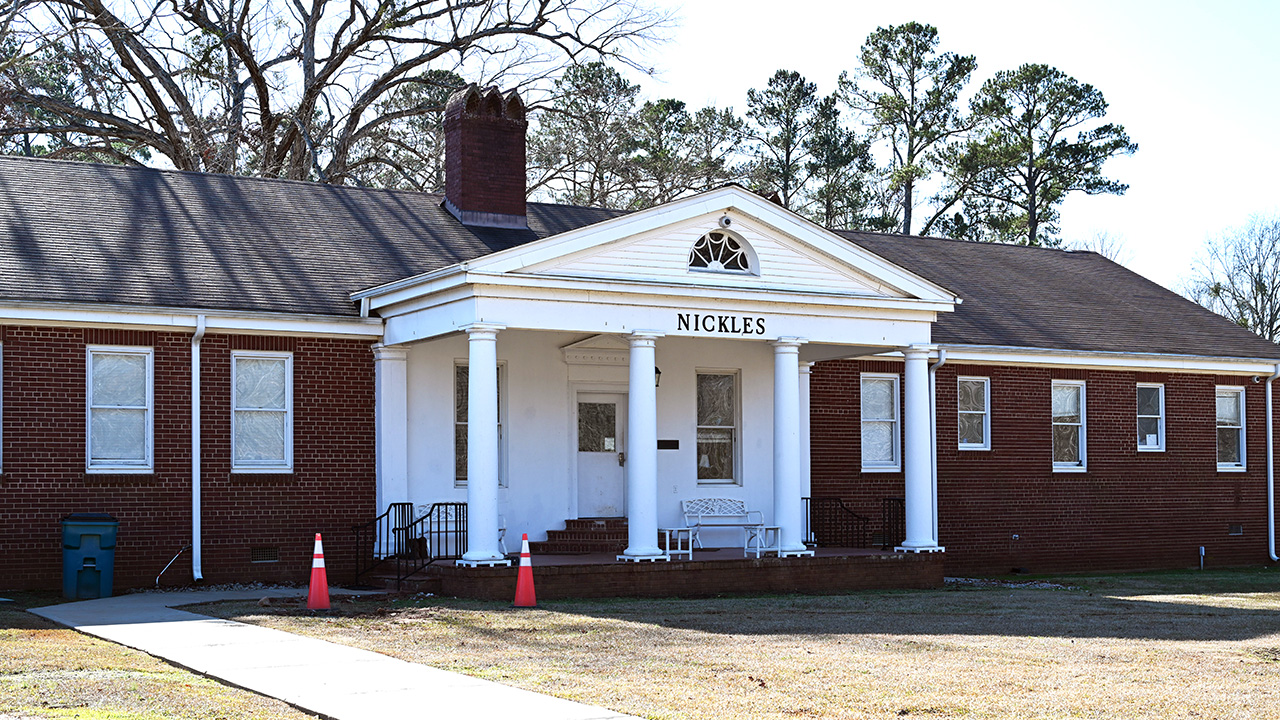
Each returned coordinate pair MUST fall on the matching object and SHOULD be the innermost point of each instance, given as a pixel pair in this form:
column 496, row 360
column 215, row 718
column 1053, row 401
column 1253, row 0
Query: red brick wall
column 1129, row 510
column 43, row 478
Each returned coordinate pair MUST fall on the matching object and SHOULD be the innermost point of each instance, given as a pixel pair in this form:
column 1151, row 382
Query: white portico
column 617, row 369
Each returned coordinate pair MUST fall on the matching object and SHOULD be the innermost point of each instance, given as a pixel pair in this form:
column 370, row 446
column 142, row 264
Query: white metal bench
column 703, row 513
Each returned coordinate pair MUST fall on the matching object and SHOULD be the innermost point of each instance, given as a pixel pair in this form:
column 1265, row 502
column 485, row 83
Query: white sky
column 1196, row 85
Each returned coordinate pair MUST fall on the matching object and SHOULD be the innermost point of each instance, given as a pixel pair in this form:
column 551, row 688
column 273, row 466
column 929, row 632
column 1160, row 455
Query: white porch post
column 806, row 447
column 788, row 511
column 642, row 450
column 482, row 446
column 391, row 424
column 917, row 454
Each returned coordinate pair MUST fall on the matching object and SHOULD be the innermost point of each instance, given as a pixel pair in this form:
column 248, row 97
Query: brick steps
column 416, row 583
column 584, row 535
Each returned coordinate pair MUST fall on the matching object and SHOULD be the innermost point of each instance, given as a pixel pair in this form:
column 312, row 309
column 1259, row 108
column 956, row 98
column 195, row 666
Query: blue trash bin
column 88, row 555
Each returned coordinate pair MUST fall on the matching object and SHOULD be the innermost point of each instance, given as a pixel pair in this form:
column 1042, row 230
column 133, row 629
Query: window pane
column 878, row 399
column 119, row 380
column 260, row 383
column 877, row 443
column 1148, row 401
column 1228, row 408
column 1229, row 446
column 972, row 396
column 715, row 454
column 460, row 380
column 260, row 436
column 1066, row 444
column 1066, row 403
column 970, row 429
column 597, row 427
column 715, row 400
column 460, row 452
column 118, row 435
column 1149, row 432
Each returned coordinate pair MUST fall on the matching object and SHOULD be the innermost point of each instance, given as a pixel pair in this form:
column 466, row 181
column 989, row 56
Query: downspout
column 196, row 571
column 933, row 433
column 1271, row 475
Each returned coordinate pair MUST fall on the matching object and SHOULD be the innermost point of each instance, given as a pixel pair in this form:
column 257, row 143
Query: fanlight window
column 719, row 252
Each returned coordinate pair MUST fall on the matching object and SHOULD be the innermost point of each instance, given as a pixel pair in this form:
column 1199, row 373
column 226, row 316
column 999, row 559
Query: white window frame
column 736, row 478
column 896, row 464
column 285, row 466
column 1236, row 390
column 1083, row 465
column 986, row 414
column 461, row 483
column 147, row 465
column 1159, row 446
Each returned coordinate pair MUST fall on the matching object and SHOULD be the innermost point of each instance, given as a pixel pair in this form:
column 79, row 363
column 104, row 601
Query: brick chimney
column 484, row 150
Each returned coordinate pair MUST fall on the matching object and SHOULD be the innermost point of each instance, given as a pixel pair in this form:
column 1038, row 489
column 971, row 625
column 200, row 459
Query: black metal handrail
column 376, row 540
column 893, row 522
column 440, row 534
column 834, row 524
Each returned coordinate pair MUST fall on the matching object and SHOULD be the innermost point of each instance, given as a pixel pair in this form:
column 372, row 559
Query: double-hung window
column 262, row 412
column 119, row 413
column 461, row 396
column 1150, row 417
column 717, row 428
column 973, row 413
column 1230, row 421
column 881, row 428
column 1068, row 426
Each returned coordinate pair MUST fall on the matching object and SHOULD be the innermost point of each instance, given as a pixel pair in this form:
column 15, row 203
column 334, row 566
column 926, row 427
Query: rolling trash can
column 88, row 555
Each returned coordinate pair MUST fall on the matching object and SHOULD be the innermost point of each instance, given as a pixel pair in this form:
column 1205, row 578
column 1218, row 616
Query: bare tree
column 1111, row 247
column 303, row 89
column 1238, row 276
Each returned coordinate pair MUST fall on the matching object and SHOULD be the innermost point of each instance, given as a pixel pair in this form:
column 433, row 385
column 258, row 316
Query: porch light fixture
column 657, row 376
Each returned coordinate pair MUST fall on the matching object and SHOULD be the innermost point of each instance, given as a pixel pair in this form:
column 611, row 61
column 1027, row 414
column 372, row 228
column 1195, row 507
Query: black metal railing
column 893, row 522
column 832, row 524
column 376, row 540
column 440, row 534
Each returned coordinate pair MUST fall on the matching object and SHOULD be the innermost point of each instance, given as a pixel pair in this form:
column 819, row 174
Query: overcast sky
column 1194, row 84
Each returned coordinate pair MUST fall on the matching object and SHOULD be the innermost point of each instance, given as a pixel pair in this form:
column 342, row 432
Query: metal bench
column 702, row 513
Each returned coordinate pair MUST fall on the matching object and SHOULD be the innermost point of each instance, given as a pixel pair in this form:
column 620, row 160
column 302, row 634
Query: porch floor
column 711, row 572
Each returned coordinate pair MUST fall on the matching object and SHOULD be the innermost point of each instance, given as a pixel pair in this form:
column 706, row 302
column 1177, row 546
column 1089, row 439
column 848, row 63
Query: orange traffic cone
column 318, row 595
column 524, row 581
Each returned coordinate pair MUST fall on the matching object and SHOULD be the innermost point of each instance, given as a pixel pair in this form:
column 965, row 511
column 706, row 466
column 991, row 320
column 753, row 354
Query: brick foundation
column 44, row 479
column 752, row 576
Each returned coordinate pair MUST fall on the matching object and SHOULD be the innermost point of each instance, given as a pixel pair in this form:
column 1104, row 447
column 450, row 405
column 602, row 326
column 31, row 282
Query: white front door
column 602, row 429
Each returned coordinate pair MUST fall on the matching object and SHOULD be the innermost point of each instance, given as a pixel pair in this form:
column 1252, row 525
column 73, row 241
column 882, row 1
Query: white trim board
column 1097, row 360
column 185, row 319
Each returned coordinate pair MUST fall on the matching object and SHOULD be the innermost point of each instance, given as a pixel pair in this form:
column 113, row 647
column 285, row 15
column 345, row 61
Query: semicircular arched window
column 719, row 251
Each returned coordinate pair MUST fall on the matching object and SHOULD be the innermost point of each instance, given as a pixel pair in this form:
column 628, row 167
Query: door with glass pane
column 601, row 443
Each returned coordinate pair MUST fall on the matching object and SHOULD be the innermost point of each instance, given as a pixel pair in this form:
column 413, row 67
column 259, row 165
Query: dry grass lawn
column 48, row 671
column 1171, row 645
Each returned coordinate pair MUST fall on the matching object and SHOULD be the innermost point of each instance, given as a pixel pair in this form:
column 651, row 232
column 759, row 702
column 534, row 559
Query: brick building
column 234, row 364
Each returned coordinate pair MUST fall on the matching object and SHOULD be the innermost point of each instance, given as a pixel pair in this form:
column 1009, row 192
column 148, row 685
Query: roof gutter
column 197, row 572
column 1271, row 474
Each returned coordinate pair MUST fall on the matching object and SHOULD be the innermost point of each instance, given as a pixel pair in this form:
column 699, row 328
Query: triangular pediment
column 786, row 253
column 597, row 350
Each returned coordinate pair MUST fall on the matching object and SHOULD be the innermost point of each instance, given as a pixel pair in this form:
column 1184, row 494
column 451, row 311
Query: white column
column 642, row 450
column 806, row 447
column 788, row 510
column 917, row 455
column 391, row 424
column 482, row 445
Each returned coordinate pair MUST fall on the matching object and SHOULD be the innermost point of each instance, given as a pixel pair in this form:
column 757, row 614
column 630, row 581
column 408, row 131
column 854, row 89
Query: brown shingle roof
column 86, row 233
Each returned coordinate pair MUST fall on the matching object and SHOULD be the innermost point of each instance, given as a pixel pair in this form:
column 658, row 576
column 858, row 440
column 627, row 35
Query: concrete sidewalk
column 333, row 681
